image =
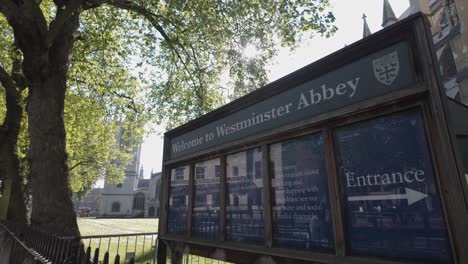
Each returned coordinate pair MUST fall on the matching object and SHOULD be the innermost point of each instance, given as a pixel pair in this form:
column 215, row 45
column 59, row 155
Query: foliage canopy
column 94, row 68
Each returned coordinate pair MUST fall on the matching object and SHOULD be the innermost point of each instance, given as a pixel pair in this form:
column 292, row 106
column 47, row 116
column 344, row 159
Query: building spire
column 366, row 31
column 141, row 172
column 388, row 17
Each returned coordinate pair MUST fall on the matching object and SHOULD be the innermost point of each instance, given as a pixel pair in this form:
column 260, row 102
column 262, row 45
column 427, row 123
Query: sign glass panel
column 244, row 209
column 391, row 202
column 301, row 207
column 178, row 200
column 463, row 145
column 206, row 202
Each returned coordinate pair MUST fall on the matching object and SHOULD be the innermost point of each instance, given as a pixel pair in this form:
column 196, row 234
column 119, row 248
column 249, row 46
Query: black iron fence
column 45, row 248
column 53, row 249
column 13, row 250
column 21, row 244
column 122, row 248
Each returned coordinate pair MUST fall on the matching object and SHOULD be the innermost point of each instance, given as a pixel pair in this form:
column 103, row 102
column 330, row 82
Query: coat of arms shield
column 386, row 68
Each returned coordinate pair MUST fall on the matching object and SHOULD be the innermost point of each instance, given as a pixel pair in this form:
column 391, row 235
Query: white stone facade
column 135, row 196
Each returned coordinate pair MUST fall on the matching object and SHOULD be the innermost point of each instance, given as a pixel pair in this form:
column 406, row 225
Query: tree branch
column 6, row 81
column 80, row 163
column 30, row 31
column 8, row 8
column 62, row 15
column 131, row 105
column 16, row 72
column 89, row 4
column 153, row 19
column 9, row 127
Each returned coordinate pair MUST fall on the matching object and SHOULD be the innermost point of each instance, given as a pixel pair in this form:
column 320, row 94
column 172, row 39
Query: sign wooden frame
column 426, row 94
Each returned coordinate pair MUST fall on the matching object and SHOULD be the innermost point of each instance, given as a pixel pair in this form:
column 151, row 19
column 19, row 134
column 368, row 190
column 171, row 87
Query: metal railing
column 122, row 248
column 14, row 250
column 53, row 249
column 46, row 248
column 21, row 244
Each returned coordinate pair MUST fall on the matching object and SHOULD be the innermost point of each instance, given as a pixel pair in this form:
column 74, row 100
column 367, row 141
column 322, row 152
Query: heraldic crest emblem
column 386, row 68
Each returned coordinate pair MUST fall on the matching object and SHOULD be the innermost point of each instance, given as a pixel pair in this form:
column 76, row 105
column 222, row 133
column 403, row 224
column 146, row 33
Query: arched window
column 115, row 207
column 444, row 21
column 139, row 201
column 448, row 68
column 151, row 212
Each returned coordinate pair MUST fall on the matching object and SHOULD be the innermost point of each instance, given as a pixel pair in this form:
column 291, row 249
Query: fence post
column 55, row 249
column 88, row 255
column 41, row 244
column 13, row 249
column 161, row 252
column 117, row 259
column 48, row 246
column 96, row 256
column 106, row 258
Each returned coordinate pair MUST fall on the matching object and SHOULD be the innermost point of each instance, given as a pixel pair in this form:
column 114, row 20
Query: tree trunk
column 52, row 207
column 9, row 162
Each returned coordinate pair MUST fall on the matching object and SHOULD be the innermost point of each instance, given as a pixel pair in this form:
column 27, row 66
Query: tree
column 187, row 46
column 91, row 108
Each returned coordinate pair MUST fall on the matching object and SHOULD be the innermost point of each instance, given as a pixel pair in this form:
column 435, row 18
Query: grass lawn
column 108, row 226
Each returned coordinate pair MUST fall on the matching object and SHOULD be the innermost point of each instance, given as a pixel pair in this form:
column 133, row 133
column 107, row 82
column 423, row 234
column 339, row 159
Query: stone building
column 448, row 19
column 135, row 196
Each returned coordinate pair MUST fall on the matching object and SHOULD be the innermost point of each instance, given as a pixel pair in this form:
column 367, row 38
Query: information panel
column 301, row 208
column 178, row 201
column 245, row 205
column 206, row 204
column 391, row 202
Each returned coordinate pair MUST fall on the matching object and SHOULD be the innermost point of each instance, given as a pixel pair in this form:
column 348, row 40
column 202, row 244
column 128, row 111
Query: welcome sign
column 377, row 74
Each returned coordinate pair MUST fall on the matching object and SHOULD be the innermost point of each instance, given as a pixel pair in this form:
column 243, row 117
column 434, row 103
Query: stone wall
column 460, row 47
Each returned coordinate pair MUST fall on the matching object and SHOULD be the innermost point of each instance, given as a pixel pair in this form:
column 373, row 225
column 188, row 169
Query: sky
column 349, row 21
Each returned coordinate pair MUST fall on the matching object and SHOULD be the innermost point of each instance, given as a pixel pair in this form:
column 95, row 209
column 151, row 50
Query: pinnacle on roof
column 388, row 17
column 366, row 31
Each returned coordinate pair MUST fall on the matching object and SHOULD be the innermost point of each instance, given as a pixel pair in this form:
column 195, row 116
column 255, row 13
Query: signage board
column 385, row 71
column 376, row 182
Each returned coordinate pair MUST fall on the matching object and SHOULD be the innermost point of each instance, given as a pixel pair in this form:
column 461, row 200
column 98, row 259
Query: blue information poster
column 178, row 201
column 244, row 210
column 206, row 205
column 301, row 208
column 392, row 205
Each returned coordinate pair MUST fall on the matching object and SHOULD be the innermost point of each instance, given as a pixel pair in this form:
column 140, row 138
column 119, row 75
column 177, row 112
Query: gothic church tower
column 117, row 199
